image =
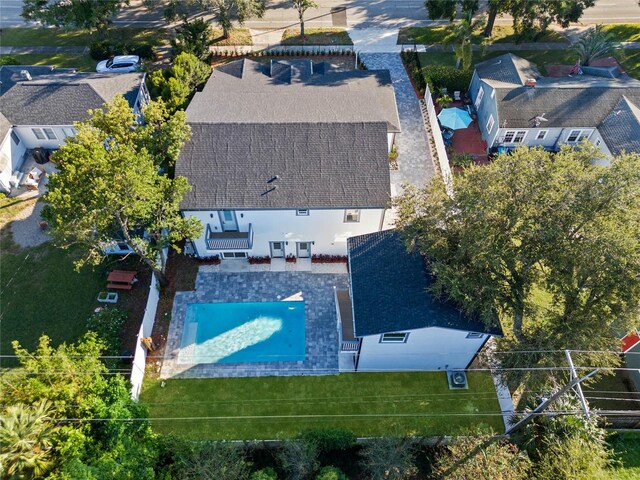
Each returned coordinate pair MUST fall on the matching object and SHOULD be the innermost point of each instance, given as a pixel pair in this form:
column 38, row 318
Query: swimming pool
column 243, row 332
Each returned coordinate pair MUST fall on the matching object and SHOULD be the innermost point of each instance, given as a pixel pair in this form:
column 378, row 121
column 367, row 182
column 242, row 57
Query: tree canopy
column 550, row 244
column 302, row 6
column 87, row 14
column 109, row 184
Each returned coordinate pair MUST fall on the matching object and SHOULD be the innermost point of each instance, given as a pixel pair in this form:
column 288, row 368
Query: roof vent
column 25, row 74
column 273, row 179
column 457, row 380
column 530, row 82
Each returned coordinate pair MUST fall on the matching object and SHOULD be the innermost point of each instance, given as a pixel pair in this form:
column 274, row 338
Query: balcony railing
column 229, row 240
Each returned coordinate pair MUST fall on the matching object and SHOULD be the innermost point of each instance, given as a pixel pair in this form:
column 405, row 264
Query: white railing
column 430, row 119
column 140, row 356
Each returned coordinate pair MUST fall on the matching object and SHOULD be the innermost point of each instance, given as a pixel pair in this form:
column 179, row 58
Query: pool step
column 188, row 351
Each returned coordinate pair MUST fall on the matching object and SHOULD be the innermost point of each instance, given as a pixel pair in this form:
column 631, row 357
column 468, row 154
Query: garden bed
column 316, row 36
column 444, row 35
column 237, row 36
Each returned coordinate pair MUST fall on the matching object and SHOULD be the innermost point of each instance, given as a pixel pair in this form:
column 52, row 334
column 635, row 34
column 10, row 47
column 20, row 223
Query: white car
column 119, row 64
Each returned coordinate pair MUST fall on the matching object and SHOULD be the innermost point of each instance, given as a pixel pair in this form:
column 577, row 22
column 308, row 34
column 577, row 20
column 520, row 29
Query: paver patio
column 316, row 289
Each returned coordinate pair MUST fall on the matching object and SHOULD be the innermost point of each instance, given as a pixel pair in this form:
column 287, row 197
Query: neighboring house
column 39, row 105
column 631, row 349
column 516, row 105
column 391, row 321
column 289, row 158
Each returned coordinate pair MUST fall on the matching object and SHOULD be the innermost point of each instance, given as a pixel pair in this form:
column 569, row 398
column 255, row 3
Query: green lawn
column 81, row 62
column 444, row 34
column 55, row 37
column 368, row 404
column 237, row 36
column 627, row 448
column 316, row 36
column 624, row 32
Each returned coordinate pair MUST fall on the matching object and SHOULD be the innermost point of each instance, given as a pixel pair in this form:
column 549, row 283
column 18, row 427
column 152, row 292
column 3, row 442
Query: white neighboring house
column 289, row 158
column 39, row 105
column 389, row 321
column 516, row 105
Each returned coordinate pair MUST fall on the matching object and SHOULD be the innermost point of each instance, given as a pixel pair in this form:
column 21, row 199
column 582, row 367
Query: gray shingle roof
column 320, row 165
column 60, row 97
column 620, row 130
column 507, row 69
column 286, row 92
column 389, row 290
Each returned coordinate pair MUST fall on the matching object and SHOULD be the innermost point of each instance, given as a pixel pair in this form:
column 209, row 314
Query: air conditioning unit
column 457, row 380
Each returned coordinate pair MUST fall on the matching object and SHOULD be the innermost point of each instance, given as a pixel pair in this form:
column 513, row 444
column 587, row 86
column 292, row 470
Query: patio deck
column 316, row 289
column 468, row 140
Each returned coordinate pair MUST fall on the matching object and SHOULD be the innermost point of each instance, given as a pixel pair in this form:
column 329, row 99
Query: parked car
column 119, row 64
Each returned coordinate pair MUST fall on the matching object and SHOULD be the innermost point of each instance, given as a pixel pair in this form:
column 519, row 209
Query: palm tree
column 593, row 44
column 25, row 435
column 462, row 37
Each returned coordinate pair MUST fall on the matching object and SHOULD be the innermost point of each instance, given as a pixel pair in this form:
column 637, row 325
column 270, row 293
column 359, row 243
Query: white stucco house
column 39, row 105
column 289, row 158
column 389, row 321
column 516, row 105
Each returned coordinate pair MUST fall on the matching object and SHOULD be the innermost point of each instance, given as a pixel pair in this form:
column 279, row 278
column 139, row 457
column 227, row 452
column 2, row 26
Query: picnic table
column 121, row 279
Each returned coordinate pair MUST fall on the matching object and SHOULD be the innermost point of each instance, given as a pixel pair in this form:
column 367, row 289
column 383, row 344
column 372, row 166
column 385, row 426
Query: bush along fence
column 238, row 50
column 143, row 342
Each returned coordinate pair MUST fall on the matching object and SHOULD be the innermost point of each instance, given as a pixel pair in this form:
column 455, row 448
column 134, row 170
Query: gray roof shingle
column 60, row 96
column 389, row 290
column 507, row 69
column 320, row 165
column 620, row 130
column 287, row 92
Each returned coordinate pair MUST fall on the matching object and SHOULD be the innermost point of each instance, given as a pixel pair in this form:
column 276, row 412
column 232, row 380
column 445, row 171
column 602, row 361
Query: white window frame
column 582, row 134
column 233, row 255
column 388, row 338
column 475, row 335
column 490, row 123
column 68, row 132
column 479, row 97
column 50, row 133
column 39, row 133
column 544, row 134
column 352, row 215
column 514, row 134
column 303, row 212
column 598, row 142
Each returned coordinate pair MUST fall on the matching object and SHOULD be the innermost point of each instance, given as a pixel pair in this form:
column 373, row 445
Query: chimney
column 530, row 82
column 25, row 74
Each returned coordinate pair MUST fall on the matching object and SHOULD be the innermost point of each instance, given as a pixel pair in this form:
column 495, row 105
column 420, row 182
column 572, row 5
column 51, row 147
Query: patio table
column 122, row 279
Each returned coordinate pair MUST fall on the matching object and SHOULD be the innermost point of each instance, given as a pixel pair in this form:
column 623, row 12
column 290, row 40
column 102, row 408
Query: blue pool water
column 243, row 332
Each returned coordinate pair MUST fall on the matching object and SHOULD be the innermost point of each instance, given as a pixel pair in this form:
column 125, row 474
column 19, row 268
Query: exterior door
column 277, row 249
column 304, row 249
column 228, row 221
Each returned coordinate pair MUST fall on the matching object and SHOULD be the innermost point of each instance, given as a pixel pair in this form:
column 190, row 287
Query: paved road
column 358, row 13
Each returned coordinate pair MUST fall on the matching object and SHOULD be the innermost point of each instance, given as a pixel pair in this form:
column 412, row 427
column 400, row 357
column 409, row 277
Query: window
column 15, row 138
column 68, row 132
column 302, row 213
column 578, row 135
column 234, row 254
column 490, row 124
column 50, row 133
column 394, row 338
column 514, row 136
column 38, row 133
column 351, row 216
column 479, row 97
column 474, row 335
column 598, row 142
column 541, row 135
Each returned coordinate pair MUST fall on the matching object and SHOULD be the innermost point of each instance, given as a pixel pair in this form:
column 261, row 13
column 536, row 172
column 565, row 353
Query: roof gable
column 620, row 129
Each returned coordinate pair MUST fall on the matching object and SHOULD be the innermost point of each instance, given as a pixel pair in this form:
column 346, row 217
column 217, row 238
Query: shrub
column 215, row 260
column 329, row 439
column 388, row 459
column 331, row 473
column 8, row 60
column 100, row 50
column 194, row 37
column 103, row 49
column 265, row 474
column 461, row 160
column 259, row 260
column 214, row 460
column 291, row 258
column 329, row 258
column 299, row 459
column 108, row 324
column 444, row 76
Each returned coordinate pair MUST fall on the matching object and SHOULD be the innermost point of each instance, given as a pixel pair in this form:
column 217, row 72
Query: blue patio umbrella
column 454, row 118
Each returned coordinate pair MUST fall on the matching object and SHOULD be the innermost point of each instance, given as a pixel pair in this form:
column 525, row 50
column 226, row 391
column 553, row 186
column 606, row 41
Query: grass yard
column 237, row 36
column 630, row 61
column 627, row 448
column 444, row 34
column 368, row 404
column 81, row 62
column 624, row 32
column 316, row 36
column 56, row 37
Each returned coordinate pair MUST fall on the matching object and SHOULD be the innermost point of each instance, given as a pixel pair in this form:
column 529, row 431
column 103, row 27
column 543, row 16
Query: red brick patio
column 468, row 140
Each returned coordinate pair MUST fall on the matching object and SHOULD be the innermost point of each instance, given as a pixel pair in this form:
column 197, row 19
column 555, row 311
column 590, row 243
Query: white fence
column 431, row 120
column 284, row 49
column 140, row 356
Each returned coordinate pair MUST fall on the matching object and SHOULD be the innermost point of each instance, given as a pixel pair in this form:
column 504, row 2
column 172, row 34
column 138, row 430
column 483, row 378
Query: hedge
column 439, row 76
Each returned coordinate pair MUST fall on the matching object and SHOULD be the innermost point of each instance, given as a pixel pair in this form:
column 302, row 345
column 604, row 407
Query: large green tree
column 548, row 244
column 110, row 184
column 87, row 14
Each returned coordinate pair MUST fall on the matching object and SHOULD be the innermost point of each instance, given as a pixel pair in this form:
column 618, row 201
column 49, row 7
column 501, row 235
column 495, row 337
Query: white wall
column 324, row 227
column 28, row 138
column 431, row 348
column 11, row 156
